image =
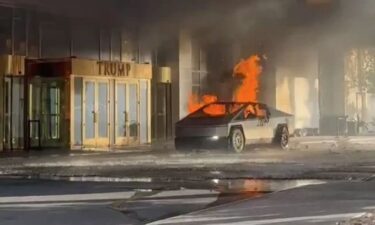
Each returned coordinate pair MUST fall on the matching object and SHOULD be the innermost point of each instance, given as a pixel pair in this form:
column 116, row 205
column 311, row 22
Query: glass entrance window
column 127, row 113
column 89, row 109
column 13, row 112
column 35, row 111
column 53, row 113
column 54, row 94
column 7, row 114
column 103, row 109
column 96, row 113
column 78, row 85
column 126, row 119
column 121, row 110
column 143, row 133
column 45, row 112
column 133, row 110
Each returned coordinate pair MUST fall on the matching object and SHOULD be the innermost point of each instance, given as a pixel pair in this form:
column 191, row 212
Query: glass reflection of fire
column 248, row 71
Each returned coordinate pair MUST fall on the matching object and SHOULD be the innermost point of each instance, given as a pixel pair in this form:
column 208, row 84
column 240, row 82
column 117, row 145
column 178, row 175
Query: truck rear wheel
column 282, row 137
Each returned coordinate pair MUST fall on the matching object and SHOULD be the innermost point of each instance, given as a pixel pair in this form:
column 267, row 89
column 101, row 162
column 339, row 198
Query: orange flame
column 249, row 70
column 195, row 104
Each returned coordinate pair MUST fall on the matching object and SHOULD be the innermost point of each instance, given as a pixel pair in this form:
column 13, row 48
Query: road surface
column 323, row 204
column 35, row 202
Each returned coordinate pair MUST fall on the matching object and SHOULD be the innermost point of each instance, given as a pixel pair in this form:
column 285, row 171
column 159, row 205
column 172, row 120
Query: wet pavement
column 323, row 204
column 262, row 163
column 65, row 203
column 138, row 187
column 29, row 202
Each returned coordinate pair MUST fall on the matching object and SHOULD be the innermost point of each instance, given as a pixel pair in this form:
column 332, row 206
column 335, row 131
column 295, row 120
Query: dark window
column 55, row 40
column 116, row 45
column 105, row 45
column 19, row 22
column 199, row 72
column 130, row 47
column 85, row 42
column 5, row 30
column 33, row 35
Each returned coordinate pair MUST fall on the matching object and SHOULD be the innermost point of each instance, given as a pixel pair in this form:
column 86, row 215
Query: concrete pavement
column 139, row 187
column 262, row 163
column 317, row 204
column 319, row 160
column 35, row 202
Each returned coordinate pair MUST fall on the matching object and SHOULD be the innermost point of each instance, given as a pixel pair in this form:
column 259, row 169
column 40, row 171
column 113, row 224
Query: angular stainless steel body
column 207, row 129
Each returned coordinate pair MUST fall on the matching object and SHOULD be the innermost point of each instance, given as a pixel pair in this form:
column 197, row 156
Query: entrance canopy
column 74, row 66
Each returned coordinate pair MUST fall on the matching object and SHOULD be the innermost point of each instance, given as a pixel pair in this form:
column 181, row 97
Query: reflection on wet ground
column 187, row 198
column 140, row 200
column 260, row 186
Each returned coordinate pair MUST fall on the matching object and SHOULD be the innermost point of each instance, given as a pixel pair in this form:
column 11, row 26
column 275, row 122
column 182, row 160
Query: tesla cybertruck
column 233, row 125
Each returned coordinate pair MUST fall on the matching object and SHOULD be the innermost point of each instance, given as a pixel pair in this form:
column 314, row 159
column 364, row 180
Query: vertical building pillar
column 267, row 88
column 296, row 85
column 185, row 71
column 2, row 111
column 331, row 91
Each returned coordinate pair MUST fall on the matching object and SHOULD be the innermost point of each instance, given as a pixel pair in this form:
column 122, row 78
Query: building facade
column 72, row 82
column 124, row 73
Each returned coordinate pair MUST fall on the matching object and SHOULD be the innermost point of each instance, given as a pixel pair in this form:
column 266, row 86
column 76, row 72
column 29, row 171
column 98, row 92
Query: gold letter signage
column 117, row 69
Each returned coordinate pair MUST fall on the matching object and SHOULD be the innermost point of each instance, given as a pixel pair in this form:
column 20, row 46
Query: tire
column 282, row 137
column 236, row 140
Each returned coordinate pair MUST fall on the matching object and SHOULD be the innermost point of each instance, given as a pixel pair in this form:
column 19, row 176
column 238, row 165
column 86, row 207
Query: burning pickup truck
column 233, row 125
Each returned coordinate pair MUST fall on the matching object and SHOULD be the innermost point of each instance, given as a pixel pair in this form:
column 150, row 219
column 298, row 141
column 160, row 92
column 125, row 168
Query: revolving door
column 46, row 120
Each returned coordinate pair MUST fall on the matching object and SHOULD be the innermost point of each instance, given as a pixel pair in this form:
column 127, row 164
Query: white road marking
column 66, row 198
column 54, row 204
column 247, row 220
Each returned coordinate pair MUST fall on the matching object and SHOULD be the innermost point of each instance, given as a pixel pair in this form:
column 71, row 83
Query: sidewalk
column 296, row 143
column 308, row 158
column 333, row 143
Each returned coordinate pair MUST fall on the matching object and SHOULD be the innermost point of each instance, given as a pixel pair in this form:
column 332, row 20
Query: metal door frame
column 96, row 141
column 126, row 140
column 102, row 141
column 42, row 117
column 119, row 139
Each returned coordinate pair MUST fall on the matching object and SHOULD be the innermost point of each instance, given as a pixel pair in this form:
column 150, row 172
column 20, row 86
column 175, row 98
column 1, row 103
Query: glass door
column 126, row 113
column 89, row 118
column 95, row 113
column 46, row 119
column 133, row 121
column 121, row 114
column 54, row 113
column 143, row 112
column 7, row 114
column 13, row 112
column 35, row 112
column 102, row 114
